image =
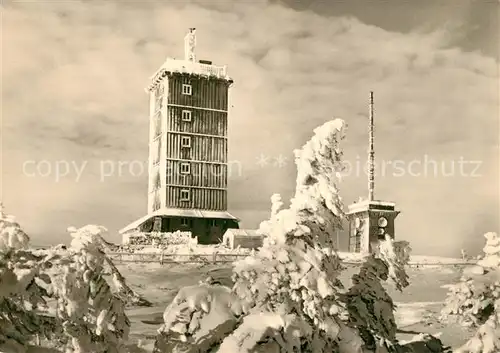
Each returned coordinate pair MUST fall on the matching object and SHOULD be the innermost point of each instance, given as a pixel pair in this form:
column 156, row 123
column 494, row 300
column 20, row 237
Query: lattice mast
column 190, row 45
column 371, row 154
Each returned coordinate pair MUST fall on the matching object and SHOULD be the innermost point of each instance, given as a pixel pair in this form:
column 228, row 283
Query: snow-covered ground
column 418, row 306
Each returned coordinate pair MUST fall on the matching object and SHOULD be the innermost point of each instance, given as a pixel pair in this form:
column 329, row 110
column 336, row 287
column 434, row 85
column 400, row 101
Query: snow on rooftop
column 176, row 65
column 365, row 205
column 188, row 67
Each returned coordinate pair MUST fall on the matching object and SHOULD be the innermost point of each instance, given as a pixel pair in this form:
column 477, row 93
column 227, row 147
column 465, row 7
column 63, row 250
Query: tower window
column 185, row 168
column 187, row 89
column 185, row 194
column 185, row 141
column 186, row 115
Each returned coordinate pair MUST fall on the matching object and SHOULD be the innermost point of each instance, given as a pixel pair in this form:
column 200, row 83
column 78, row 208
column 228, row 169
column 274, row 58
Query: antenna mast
column 190, row 45
column 371, row 155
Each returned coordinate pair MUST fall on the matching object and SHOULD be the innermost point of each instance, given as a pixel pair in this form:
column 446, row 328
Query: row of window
column 185, row 169
column 188, row 222
column 185, row 222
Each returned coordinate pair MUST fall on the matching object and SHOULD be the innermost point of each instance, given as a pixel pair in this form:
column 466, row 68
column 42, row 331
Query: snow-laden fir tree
column 285, row 297
column 88, row 317
column 475, row 301
column 294, row 277
column 19, row 293
column 95, row 235
column 370, row 308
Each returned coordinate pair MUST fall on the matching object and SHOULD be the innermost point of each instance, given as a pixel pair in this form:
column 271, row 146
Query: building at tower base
column 370, row 222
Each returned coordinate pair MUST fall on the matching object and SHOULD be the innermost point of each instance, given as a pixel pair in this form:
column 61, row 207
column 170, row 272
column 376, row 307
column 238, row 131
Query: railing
column 168, row 258
column 219, row 71
column 193, row 67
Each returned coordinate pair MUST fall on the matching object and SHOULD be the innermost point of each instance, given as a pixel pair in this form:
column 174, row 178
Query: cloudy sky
column 73, row 78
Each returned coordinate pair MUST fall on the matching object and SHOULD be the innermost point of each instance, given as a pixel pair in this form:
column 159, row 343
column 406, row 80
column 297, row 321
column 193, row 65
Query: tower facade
column 188, row 147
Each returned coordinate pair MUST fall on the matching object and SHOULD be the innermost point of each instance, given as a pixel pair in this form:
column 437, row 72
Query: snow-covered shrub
column 475, row 301
column 88, row 317
column 491, row 251
column 92, row 235
column 487, row 337
column 92, row 317
column 12, row 237
column 198, row 319
column 19, row 292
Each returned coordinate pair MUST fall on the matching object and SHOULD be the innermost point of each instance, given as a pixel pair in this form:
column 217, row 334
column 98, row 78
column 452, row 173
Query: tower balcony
column 202, row 68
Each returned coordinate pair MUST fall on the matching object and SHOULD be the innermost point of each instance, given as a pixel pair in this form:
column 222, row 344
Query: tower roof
column 188, row 65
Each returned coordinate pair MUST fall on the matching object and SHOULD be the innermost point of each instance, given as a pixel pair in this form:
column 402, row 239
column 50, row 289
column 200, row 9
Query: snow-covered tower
column 370, row 220
column 188, row 148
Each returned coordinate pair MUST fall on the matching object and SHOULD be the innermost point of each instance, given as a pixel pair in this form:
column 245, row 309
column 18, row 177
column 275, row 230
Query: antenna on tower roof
column 371, row 155
column 190, row 45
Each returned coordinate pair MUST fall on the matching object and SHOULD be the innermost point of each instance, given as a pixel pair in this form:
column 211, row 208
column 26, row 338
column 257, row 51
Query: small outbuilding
column 243, row 238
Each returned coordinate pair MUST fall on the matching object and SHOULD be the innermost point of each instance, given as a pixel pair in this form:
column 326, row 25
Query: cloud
column 73, row 77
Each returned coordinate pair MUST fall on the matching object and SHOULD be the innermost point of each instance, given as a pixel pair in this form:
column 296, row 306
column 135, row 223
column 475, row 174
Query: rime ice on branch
column 276, row 205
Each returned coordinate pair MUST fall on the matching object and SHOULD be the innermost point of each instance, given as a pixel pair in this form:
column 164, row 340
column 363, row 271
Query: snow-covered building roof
column 369, row 205
column 243, row 238
column 188, row 67
column 243, row 232
column 178, row 212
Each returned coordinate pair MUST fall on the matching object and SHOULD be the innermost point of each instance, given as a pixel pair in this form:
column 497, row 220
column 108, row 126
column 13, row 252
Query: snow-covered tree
column 294, row 277
column 289, row 289
column 19, row 292
column 287, row 296
column 88, row 317
column 95, row 235
column 92, row 317
column 396, row 255
column 371, row 309
column 475, row 301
